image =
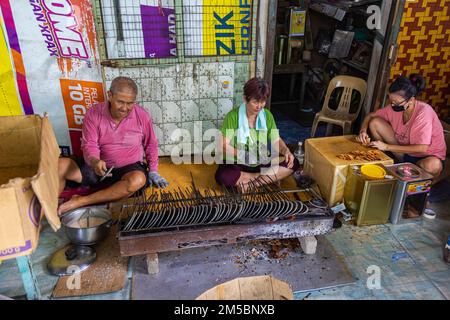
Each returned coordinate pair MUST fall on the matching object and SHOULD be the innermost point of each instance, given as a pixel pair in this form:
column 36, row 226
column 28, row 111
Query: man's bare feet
column 74, row 203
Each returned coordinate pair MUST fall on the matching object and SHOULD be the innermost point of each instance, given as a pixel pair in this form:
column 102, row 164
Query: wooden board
column 107, row 274
column 179, row 176
column 250, row 288
column 331, row 147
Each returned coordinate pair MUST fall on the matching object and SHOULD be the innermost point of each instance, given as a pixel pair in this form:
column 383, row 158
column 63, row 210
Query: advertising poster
column 217, row 27
column 298, row 21
column 55, row 54
column 139, row 29
column 9, row 101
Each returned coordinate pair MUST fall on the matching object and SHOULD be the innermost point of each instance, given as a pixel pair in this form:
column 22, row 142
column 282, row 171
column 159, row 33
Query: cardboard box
column 28, row 182
column 250, row 288
column 330, row 172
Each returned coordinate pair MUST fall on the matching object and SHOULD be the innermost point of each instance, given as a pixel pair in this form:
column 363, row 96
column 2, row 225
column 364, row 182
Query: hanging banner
column 139, row 29
column 54, row 45
column 79, row 97
column 16, row 53
column 217, row 27
column 9, row 101
column 158, row 28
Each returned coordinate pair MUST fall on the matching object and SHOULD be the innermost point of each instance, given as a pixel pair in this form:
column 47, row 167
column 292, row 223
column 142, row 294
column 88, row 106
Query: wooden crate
column 330, row 172
column 251, row 288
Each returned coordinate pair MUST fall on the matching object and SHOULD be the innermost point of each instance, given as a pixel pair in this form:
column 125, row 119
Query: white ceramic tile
column 181, row 137
column 180, row 149
column 133, row 73
column 169, row 71
column 198, row 148
column 226, row 87
column 198, row 131
column 155, row 111
column 168, row 149
column 111, row 73
column 161, row 151
column 208, row 69
column 189, row 110
column 172, row 134
column 139, row 93
column 189, row 126
column 151, row 89
column 188, row 88
column 238, row 99
column 169, row 90
column 196, row 70
column 159, row 133
column 144, row 73
column 186, row 70
column 171, row 112
column 149, row 72
column 206, row 125
column 208, row 109
column 219, row 124
column 207, row 87
column 186, row 130
column 223, row 107
column 226, row 69
column 211, row 132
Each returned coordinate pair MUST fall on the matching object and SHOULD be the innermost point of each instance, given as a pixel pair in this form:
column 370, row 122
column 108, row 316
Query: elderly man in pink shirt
column 116, row 135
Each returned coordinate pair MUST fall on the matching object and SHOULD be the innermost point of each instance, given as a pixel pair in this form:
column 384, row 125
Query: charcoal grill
column 187, row 218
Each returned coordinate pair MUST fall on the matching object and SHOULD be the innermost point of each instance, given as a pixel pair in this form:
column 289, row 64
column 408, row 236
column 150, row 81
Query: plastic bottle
column 447, row 251
column 299, row 153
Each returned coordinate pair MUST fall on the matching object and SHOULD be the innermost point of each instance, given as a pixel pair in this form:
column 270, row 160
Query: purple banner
column 158, row 27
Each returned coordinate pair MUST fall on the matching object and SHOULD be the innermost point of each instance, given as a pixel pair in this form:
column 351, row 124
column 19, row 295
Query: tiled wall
column 425, row 48
column 186, row 95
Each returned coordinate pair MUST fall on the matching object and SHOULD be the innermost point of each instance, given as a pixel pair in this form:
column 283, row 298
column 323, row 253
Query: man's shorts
column 90, row 178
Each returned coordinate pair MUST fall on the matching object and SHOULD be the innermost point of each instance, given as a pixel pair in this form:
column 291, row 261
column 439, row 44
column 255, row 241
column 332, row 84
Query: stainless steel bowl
column 86, row 235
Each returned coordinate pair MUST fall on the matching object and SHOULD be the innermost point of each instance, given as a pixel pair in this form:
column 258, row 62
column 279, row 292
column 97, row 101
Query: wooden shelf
column 355, row 66
column 289, row 68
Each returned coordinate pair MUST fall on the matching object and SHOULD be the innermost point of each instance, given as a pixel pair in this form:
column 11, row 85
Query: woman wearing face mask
column 407, row 127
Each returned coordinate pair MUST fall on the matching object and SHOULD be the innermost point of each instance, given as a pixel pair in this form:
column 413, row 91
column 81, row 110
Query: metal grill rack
column 185, row 218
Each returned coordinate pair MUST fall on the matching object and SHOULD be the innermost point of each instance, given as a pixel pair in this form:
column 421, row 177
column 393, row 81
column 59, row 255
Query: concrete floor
column 408, row 257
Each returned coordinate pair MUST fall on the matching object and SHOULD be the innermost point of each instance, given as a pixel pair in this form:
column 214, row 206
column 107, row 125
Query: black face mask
column 398, row 108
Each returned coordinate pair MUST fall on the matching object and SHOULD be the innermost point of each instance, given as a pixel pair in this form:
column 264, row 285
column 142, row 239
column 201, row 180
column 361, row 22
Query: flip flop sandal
column 429, row 213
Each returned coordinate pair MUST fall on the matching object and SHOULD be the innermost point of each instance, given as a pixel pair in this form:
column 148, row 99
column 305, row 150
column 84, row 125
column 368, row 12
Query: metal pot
column 86, row 235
